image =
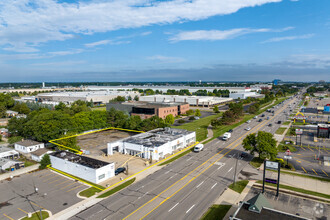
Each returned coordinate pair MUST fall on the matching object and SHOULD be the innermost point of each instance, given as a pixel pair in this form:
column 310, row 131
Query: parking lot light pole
column 236, row 169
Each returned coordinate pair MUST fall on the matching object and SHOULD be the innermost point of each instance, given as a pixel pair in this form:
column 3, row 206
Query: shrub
column 192, row 118
column 181, row 121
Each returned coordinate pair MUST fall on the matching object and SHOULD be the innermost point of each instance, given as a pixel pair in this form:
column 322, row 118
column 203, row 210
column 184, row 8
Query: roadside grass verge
column 118, row 188
column 300, row 123
column 216, row 212
column 177, row 156
column 280, row 130
column 300, row 190
column 284, row 147
column 256, row 162
column 199, row 126
column 304, row 175
column 239, row 186
column 36, row 216
column 89, row 192
column 286, row 123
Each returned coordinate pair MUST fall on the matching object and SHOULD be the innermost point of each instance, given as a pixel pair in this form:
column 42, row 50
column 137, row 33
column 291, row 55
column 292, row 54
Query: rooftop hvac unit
column 63, row 154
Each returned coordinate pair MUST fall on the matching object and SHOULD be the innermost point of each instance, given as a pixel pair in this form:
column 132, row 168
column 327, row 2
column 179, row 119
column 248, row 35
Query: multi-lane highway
column 185, row 188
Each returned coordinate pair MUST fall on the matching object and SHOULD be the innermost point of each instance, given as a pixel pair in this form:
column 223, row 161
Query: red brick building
column 160, row 109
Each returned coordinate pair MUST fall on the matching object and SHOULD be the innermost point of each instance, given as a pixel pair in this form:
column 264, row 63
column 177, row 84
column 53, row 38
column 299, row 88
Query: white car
column 255, row 117
column 198, row 147
column 248, row 121
column 248, row 128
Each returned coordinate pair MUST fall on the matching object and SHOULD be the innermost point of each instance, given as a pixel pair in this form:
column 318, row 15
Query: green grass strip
column 239, row 186
column 280, row 130
column 36, row 216
column 286, row 123
column 177, row 157
column 216, row 212
column 300, row 190
column 116, row 189
column 89, row 192
column 256, row 162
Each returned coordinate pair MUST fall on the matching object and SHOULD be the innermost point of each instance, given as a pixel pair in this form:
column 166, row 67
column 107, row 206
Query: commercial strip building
column 90, row 169
column 191, row 100
column 149, row 109
column 244, row 95
column 154, row 144
column 97, row 97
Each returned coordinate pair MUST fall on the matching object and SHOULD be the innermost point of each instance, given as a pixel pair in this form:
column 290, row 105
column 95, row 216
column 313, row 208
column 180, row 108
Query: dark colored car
column 270, row 125
column 230, row 131
column 279, row 122
column 243, row 154
column 120, row 170
column 263, row 115
column 260, row 120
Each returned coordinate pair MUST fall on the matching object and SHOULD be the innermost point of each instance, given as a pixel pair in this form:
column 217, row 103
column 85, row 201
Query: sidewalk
column 280, row 137
column 19, row 172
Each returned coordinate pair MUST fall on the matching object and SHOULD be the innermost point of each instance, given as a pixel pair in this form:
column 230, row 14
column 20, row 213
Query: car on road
column 198, row 147
column 248, row 121
column 230, row 131
column 270, row 125
column 263, row 115
column 255, row 117
column 244, row 155
column 248, row 129
column 120, row 170
column 268, row 118
column 279, row 122
column 260, row 120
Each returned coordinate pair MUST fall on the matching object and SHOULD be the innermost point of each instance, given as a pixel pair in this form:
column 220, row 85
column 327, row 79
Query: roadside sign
column 299, row 131
column 268, row 180
column 287, row 157
column 271, row 165
column 288, row 152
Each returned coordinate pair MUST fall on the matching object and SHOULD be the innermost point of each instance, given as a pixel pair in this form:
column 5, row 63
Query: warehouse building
column 191, row 100
column 97, row 97
column 244, row 95
column 149, row 109
column 154, row 144
column 90, row 169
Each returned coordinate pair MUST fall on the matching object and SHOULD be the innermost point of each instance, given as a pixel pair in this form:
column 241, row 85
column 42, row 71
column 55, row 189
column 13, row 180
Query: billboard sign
column 272, row 165
column 268, row 180
column 299, row 131
column 287, row 157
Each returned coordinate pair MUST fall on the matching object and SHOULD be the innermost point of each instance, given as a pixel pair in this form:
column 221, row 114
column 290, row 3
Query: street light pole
column 236, row 169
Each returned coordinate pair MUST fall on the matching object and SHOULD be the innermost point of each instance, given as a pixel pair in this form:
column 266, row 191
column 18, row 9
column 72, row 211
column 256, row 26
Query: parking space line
column 75, row 188
column 62, row 182
column 37, row 205
column 324, row 172
column 22, row 210
column 8, row 216
column 314, row 171
column 310, row 148
column 68, row 185
column 304, row 169
column 55, row 180
column 303, row 148
column 39, row 173
column 50, row 178
column 47, row 174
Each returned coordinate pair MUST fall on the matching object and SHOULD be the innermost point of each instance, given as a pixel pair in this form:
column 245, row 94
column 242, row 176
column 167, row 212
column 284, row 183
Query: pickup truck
column 226, row 136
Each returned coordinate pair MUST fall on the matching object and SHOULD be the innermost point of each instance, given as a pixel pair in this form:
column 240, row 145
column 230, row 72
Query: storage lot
column 54, row 193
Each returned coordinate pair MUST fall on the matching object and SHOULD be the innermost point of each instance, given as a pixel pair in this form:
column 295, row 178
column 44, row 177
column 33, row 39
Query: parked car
column 260, row 120
column 263, row 115
column 255, row 117
column 279, row 122
column 120, row 170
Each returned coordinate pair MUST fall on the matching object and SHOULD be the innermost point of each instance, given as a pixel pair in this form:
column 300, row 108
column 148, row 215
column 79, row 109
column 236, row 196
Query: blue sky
column 168, row 40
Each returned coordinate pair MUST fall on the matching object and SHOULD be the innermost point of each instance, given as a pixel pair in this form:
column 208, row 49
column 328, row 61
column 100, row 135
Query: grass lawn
column 300, row 123
column 36, row 216
column 27, row 162
column 216, row 212
column 238, row 186
column 199, row 126
column 286, row 123
column 284, row 147
column 256, row 162
column 117, row 188
column 280, row 130
column 177, row 156
column 308, row 192
column 89, row 192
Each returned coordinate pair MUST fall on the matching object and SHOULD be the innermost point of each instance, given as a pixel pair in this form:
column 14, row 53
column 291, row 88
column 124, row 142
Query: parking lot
column 31, row 192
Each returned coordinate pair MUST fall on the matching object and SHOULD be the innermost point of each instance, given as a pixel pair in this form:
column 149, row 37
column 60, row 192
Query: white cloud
column 277, row 39
column 213, row 35
column 166, row 59
column 24, row 22
column 62, row 63
column 66, row 52
column 97, row 43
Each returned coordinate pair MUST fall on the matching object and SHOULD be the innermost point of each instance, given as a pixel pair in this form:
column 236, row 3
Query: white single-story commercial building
column 191, row 100
column 90, row 169
column 244, row 95
column 9, row 164
column 28, row 146
column 8, row 153
column 38, row 154
column 154, row 144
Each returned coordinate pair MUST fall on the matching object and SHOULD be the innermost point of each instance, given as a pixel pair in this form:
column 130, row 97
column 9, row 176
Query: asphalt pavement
column 185, row 188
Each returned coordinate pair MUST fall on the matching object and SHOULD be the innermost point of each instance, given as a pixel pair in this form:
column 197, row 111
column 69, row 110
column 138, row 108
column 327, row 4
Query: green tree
column 216, row 109
column 190, row 112
column 263, row 143
column 14, row 139
column 169, row 119
column 136, row 98
column 21, row 108
column 45, row 161
column 70, row 142
column 3, row 111
column 198, row 113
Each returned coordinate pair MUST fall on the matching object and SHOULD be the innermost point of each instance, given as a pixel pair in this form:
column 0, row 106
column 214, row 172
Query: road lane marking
column 304, row 169
column 173, row 207
column 325, row 172
column 189, row 159
column 214, row 185
column 190, row 208
column 75, row 188
column 62, row 182
column 8, row 216
column 314, row 171
column 298, row 161
column 256, row 128
column 168, row 171
column 173, row 176
column 199, row 184
column 310, row 148
column 22, row 210
column 229, row 170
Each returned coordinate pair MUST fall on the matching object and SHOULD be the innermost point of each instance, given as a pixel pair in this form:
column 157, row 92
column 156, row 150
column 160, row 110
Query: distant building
column 276, row 81
column 11, row 113
column 39, row 154
column 10, row 164
column 154, row 144
column 28, row 146
column 90, row 169
column 244, row 95
column 4, row 132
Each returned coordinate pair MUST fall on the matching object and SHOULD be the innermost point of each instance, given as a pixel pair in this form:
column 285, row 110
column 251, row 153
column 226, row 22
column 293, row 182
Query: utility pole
column 236, row 169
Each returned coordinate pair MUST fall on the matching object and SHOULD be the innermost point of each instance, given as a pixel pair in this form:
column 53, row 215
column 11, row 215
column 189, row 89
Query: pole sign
column 287, row 157
column 268, row 180
column 299, row 131
column 288, row 152
column 272, row 165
